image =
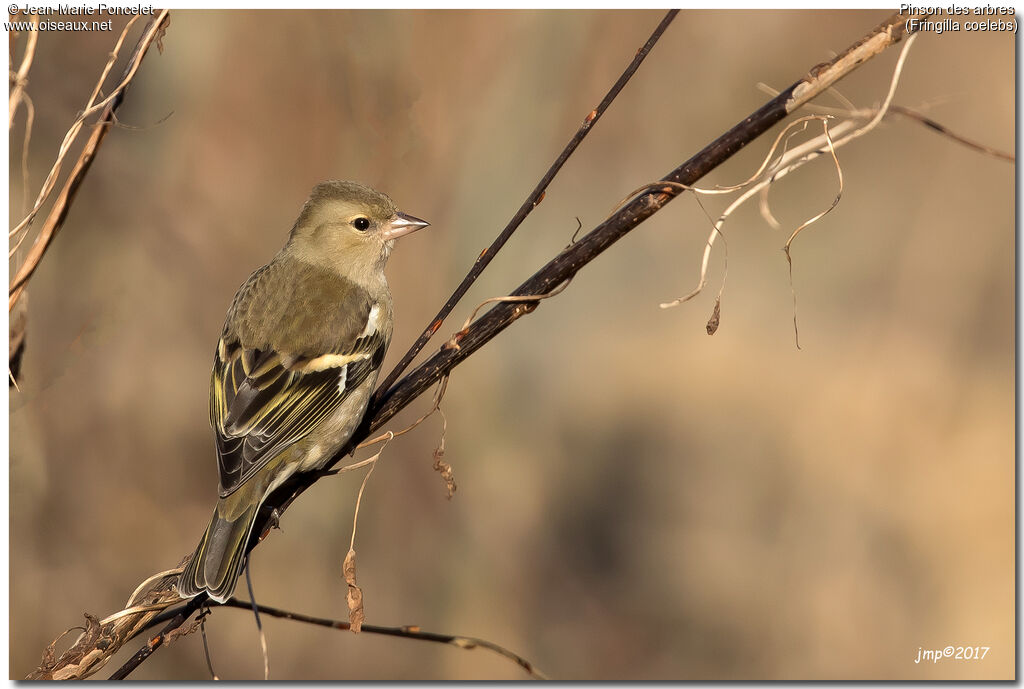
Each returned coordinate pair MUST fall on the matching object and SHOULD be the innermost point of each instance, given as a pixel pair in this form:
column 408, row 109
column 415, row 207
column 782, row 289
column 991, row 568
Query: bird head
column 349, row 225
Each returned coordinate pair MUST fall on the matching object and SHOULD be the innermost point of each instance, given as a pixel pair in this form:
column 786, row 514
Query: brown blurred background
column 636, row 500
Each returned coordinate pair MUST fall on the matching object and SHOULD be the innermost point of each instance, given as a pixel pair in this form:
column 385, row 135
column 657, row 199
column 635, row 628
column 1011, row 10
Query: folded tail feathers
column 217, row 562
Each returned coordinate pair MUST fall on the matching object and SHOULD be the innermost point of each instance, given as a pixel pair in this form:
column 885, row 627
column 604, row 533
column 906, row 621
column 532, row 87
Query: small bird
column 296, row 363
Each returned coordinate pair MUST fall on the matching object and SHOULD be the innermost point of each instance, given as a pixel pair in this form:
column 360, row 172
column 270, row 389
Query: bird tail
column 217, row 562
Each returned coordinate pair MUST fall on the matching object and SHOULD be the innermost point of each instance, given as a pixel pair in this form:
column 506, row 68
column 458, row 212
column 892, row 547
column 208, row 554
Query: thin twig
column 20, row 78
column 807, row 223
column 30, row 118
column 946, row 131
column 18, row 94
column 531, row 202
column 850, row 110
column 259, row 623
column 792, row 160
column 74, row 129
column 55, row 220
column 149, row 580
column 372, row 463
column 407, row 632
column 203, row 614
column 390, row 435
column 529, row 301
column 354, row 597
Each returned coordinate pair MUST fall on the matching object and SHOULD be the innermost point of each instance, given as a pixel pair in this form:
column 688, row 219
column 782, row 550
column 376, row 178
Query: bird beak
column 402, row 224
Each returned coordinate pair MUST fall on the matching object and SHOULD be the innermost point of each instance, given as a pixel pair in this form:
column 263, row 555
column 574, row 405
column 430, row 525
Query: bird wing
column 297, row 341
column 262, row 401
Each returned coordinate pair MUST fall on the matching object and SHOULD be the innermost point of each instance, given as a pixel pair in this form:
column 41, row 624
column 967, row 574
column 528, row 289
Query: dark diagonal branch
column 574, row 257
column 559, row 269
column 155, row 642
column 531, row 202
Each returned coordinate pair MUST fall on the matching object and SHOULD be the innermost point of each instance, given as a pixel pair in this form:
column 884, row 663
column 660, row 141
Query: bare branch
column 407, row 632
column 103, row 638
column 20, row 78
column 946, row 131
column 55, row 220
column 572, row 259
column 531, row 202
column 72, row 134
column 165, row 635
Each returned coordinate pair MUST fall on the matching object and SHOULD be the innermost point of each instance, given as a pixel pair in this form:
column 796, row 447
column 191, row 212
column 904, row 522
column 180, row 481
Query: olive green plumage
column 296, row 362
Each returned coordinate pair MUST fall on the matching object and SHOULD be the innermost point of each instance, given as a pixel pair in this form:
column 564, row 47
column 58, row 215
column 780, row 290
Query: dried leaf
column 716, row 317
column 445, row 469
column 440, row 466
column 185, row 630
column 161, row 32
column 356, row 617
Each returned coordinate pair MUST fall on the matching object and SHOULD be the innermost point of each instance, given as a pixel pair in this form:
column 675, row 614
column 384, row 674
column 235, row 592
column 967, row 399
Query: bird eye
column 361, row 224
